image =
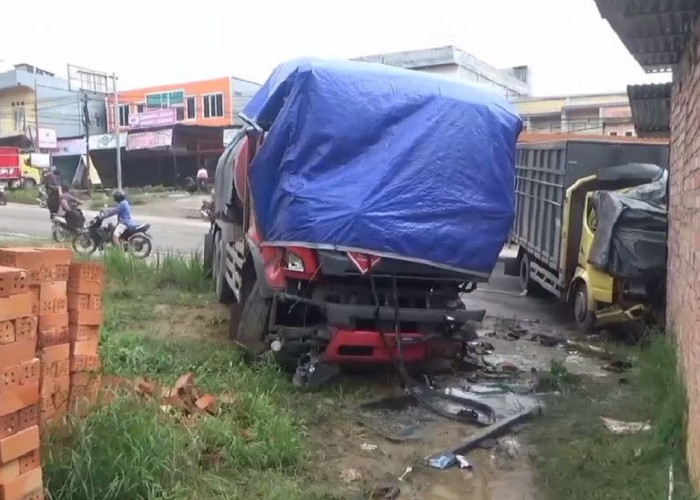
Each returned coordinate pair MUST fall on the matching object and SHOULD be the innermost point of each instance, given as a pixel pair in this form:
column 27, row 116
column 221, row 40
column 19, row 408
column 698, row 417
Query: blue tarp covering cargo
column 376, row 159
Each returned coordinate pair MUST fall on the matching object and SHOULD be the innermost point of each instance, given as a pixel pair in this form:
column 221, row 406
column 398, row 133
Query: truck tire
column 224, row 294
column 208, row 254
column 28, row 183
column 584, row 317
column 527, row 284
column 249, row 324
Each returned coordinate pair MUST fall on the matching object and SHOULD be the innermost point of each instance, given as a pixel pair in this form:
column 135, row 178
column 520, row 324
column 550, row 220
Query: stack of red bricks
column 85, row 312
column 20, row 370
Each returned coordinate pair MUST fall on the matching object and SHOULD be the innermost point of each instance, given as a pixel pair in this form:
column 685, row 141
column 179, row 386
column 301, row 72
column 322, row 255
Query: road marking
column 17, row 235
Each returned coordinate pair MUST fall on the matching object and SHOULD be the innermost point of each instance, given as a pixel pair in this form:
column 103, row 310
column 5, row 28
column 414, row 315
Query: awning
column 651, row 109
column 656, row 32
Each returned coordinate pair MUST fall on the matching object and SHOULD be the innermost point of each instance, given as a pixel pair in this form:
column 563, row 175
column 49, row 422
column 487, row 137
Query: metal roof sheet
column 651, row 109
column 655, row 32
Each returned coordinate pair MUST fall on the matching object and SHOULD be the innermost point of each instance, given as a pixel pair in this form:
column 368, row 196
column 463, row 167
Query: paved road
column 18, row 222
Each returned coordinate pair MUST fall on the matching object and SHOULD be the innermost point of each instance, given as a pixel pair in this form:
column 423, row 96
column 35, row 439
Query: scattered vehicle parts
column 622, row 427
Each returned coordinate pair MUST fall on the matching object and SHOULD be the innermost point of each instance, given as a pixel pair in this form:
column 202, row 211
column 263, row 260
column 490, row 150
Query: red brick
column 16, row 353
column 78, row 333
column 84, row 348
column 86, row 272
column 13, row 399
column 54, row 320
column 9, row 471
column 28, row 416
column 83, row 363
column 206, row 402
column 22, row 258
column 54, row 385
column 30, row 461
column 26, row 328
column 19, row 444
column 25, row 484
column 13, row 281
column 9, row 424
column 55, row 353
column 86, row 287
column 7, row 332
column 92, row 318
column 15, row 306
column 54, row 336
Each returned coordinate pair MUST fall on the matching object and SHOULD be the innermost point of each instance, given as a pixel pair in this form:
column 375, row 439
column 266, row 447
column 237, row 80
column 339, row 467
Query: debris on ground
column 408, row 470
column 618, row 365
column 368, row 446
column 183, row 399
column 444, row 461
column 350, row 475
column 625, row 428
column 385, row 492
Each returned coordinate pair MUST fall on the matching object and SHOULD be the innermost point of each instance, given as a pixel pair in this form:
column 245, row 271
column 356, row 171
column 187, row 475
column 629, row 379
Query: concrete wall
column 683, row 279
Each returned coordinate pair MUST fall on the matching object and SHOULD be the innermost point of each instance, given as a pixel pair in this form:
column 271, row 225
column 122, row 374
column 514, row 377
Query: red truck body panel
column 10, row 168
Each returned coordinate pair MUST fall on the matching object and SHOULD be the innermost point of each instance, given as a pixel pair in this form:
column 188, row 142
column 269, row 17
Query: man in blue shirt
column 123, row 212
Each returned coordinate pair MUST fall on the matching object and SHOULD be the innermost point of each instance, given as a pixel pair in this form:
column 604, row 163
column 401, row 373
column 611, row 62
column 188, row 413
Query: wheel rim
column 83, row 244
column 139, row 246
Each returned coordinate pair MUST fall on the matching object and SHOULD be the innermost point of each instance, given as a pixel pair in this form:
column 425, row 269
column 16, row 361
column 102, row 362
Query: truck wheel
column 248, row 327
column 208, row 254
column 224, row 294
column 527, row 284
column 28, row 183
column 584, row 317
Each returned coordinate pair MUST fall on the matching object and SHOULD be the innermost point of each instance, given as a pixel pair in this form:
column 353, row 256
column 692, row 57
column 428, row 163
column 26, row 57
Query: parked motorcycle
column 135, row 241
column 61, row 230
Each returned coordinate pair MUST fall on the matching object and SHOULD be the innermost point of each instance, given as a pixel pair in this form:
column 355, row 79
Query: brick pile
column 20, row 459
column 85, row 317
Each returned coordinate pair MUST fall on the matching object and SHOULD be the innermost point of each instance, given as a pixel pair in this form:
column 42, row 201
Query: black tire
column 249, row 324
column 140, row 246
column 28, row 183
column 584, row 318
column 83, row 244
column 208, row 254
column 527, row 284
column 224, row 294
column 59, row 234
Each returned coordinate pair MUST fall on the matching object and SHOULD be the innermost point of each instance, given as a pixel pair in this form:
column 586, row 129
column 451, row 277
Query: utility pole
column 86, row 122
column 37, row 148
column 117, row 131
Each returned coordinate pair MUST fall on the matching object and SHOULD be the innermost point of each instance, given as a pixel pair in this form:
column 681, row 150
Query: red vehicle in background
column 10, row 167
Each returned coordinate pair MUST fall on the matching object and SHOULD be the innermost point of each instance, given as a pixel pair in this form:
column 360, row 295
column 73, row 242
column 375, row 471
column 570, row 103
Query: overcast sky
column 568, row 47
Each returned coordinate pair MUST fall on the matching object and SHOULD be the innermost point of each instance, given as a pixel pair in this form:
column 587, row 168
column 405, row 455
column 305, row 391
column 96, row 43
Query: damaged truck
column 354, row 210
column 591, row 227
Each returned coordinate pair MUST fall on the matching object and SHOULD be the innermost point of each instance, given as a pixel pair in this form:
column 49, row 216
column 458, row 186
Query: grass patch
column 581, row 459
column 557, row 379
column 256, row 447
column 24, row 196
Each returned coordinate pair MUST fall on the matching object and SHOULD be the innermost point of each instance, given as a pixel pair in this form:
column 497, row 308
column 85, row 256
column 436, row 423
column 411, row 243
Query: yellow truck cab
column 556, row 222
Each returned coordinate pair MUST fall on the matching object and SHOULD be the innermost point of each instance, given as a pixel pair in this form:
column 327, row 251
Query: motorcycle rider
column 123, row 212
column 69, row 208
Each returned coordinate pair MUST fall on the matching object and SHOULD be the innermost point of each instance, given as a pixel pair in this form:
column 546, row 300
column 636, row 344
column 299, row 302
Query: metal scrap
column 622, row 427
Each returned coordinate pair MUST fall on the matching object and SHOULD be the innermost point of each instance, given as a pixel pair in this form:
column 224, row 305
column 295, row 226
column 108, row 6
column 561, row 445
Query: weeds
column 557, row 379
column 580, row 459
column 24, row 196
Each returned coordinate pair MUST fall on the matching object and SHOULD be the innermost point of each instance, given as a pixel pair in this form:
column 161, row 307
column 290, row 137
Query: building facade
column 34, row 103
column 593, row 114
column 450, row 61
column 209, row 103
column 664, row 36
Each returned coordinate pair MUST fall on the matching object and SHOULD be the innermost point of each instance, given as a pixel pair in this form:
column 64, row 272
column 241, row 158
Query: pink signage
column 149, row 140
column 153, row 118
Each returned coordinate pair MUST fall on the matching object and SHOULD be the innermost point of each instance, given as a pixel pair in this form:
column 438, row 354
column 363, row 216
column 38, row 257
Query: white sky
column 568, row 47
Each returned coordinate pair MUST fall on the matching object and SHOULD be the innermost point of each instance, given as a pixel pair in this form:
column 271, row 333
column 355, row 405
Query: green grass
column 557, row 379
column 580, row 459
column 24, row 196
column 256, row 447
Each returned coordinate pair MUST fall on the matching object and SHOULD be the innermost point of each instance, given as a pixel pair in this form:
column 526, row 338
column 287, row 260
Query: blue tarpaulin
column 371, row 158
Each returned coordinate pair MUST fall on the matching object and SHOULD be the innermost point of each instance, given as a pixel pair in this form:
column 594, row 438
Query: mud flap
column 208, row 256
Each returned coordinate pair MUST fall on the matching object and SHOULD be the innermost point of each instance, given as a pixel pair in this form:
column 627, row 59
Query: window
column 213, row 105
column 179, row 113
column 124, row 115
column 165, row 99
column 613, row 133
column 18, row 116
column 139, row 108
column 191, row 105
column 628, row 134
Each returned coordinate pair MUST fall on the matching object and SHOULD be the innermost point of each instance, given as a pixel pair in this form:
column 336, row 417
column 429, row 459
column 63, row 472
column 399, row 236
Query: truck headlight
column 294, row 263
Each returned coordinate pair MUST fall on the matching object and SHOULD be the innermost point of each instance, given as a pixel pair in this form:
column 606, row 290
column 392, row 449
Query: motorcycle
column 135, row 241
column 61, row 230
column 3, row 197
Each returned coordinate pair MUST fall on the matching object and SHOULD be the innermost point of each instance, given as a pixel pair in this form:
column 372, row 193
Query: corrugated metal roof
column 655, row 32
column 651, row 109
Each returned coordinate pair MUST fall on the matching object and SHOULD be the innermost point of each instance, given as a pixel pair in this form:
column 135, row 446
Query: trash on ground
column 463, row 462
column 368, row 446
column 444, row 461
column 408, row 470
column 622, row 427
column 618, row 365
column 387, row 491
column 350, row 475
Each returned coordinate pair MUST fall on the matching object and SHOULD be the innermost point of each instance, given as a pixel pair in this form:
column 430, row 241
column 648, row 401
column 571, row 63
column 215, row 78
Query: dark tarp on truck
column 631, row 233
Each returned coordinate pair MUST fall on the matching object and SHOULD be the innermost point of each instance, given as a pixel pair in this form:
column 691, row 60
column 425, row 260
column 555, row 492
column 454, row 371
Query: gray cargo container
column 544, row 172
